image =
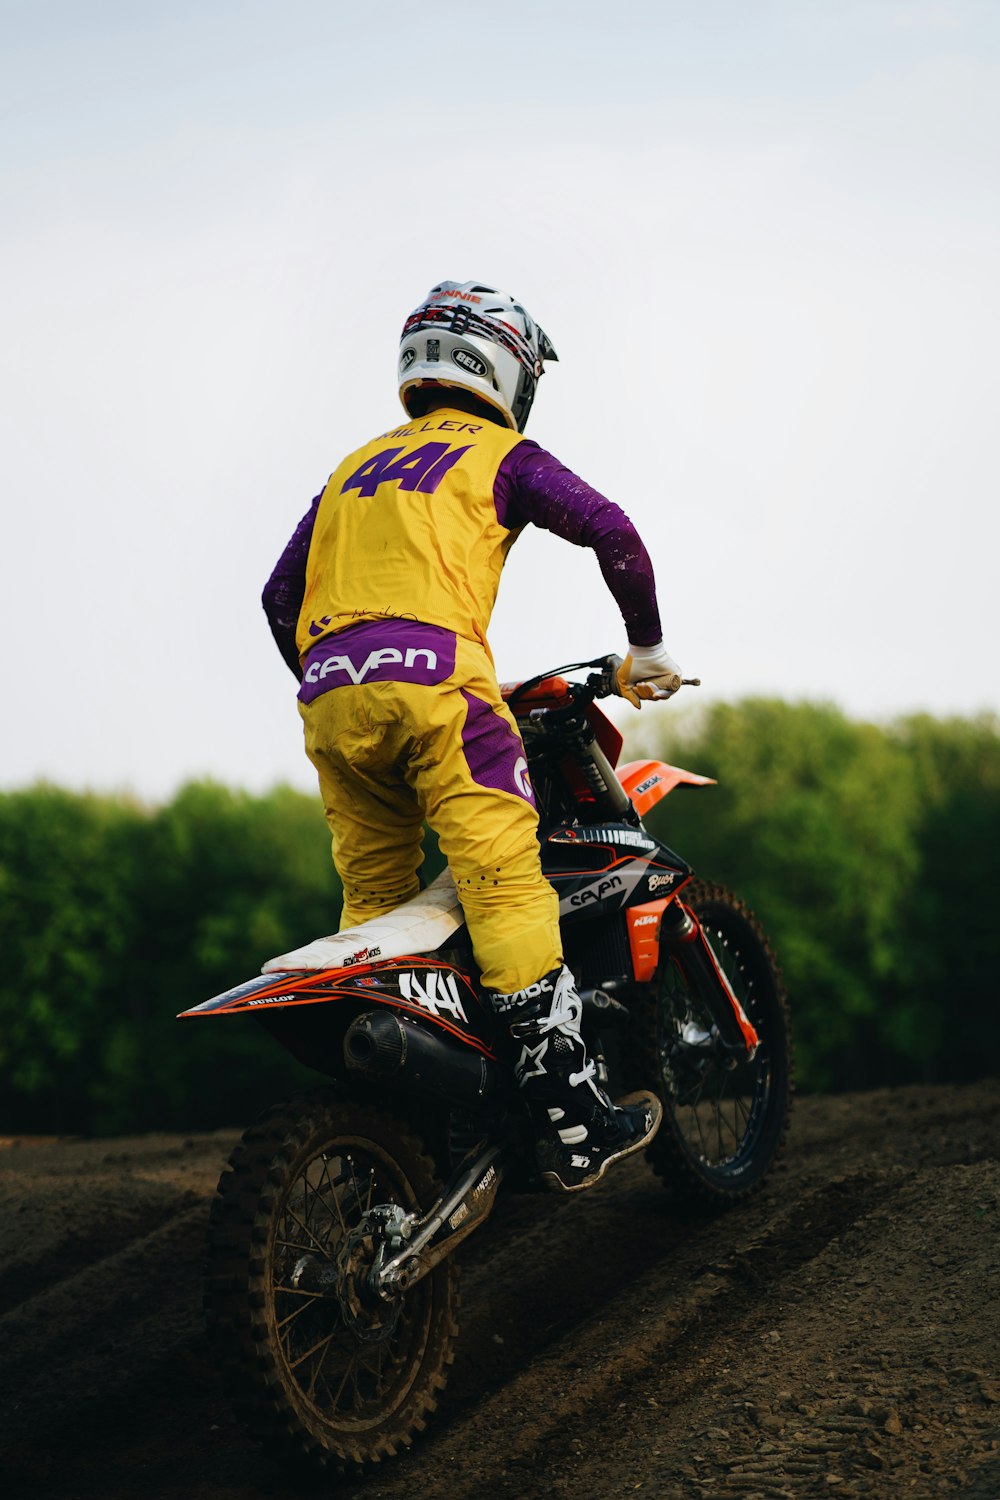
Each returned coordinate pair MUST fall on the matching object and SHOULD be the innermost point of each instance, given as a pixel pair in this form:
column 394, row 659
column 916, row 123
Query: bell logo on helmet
column 504, row 363
column 409, row 355
column 466, row 360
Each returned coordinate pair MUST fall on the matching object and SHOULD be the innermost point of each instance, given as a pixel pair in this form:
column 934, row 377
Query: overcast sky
column 764, row 238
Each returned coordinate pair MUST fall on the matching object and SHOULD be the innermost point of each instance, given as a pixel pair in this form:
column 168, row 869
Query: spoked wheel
column 724, row 1123
column 317, row 1361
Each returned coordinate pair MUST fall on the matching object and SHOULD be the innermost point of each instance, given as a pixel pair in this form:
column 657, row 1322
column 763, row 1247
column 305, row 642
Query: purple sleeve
column 286, row 587
column 532, row 486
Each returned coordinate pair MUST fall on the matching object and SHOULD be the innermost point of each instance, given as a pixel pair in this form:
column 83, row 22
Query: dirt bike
column 331, row 1284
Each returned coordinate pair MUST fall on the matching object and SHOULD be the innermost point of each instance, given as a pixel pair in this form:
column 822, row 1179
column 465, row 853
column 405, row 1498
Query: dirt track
column 838, row 1337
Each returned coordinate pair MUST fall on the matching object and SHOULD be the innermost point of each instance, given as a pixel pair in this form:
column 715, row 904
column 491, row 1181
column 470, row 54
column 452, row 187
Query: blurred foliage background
column 869, row 853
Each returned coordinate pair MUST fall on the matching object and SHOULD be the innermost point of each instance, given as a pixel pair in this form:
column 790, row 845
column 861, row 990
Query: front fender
column 648, row 781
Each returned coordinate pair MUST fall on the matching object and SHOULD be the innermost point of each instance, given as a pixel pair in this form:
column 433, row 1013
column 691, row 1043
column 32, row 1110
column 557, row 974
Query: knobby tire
column 723, row 1130
column 300, row 1179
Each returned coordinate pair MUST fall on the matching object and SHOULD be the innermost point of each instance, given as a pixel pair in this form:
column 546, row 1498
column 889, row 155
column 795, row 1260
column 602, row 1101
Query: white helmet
column 479, row 340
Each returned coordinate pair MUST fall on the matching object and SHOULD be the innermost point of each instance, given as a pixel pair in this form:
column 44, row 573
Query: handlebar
column 605, row 682
column 602, row 683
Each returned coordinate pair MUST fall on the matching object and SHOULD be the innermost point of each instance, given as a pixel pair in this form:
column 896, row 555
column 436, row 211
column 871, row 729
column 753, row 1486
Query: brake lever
column 604, row 684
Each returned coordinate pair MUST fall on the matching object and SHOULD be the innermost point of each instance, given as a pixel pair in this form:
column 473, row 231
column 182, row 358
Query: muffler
column 380, row 1044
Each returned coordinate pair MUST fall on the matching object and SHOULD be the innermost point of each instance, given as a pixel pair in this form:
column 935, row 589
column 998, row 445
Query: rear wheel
column 724, row 1122
column 333, row 1373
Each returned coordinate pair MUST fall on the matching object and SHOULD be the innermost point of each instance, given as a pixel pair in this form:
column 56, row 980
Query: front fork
column 682, row 937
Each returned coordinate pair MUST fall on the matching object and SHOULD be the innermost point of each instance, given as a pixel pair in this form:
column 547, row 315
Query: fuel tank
column 600, row 869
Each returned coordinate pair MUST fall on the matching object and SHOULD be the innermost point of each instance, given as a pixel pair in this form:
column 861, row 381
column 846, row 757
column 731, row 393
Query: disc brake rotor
column 371, row 1316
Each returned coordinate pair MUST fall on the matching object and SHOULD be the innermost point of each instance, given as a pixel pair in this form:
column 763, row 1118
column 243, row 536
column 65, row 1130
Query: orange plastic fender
column 647, row 781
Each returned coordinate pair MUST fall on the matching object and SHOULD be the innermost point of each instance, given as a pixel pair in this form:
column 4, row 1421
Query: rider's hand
column 648, row 672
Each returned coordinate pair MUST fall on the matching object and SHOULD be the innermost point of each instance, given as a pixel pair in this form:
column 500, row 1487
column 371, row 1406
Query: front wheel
column 337, row 1377
column 724, row 1120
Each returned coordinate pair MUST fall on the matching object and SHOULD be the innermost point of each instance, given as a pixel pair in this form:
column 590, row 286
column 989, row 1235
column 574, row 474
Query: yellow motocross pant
column 405, row 722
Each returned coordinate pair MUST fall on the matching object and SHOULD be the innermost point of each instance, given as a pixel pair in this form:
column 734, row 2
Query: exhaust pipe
column 381, row 1044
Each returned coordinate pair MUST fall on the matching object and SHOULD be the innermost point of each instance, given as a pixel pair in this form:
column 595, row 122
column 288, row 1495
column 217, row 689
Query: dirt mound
column 838, row 1336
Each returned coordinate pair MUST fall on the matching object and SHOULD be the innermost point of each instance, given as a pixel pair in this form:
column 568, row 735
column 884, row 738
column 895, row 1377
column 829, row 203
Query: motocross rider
column 380, row 605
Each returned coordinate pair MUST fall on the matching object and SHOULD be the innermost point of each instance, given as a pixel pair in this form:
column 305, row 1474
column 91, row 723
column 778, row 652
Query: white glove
column 648, row 672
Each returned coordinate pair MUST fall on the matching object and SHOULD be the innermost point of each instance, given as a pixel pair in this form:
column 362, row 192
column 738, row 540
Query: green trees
column 67, row 932
column 946, row 1010
column 114, row 917
column 870, row 855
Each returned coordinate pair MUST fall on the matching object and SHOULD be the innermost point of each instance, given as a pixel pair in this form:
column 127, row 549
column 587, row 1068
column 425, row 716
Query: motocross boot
column 579, row 1132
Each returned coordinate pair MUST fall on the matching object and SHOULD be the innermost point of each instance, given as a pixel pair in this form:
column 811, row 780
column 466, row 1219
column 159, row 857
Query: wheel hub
column 368, row 1311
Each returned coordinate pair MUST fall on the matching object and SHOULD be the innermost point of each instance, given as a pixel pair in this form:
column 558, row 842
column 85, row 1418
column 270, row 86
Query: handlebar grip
column 605, row 684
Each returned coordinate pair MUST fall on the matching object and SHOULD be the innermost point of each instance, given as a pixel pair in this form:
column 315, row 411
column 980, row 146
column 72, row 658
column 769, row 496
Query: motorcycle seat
column 418, row 926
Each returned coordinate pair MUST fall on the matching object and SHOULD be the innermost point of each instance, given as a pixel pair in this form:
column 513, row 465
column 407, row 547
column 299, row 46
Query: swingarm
column 390, row 1250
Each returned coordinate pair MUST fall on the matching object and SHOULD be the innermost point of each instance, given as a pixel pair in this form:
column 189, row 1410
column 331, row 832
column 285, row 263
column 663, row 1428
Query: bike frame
column 421, row 1019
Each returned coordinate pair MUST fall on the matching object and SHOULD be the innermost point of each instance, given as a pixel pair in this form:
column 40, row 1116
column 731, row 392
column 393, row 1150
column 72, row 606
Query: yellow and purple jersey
column 407, row 528
column 416, row 526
